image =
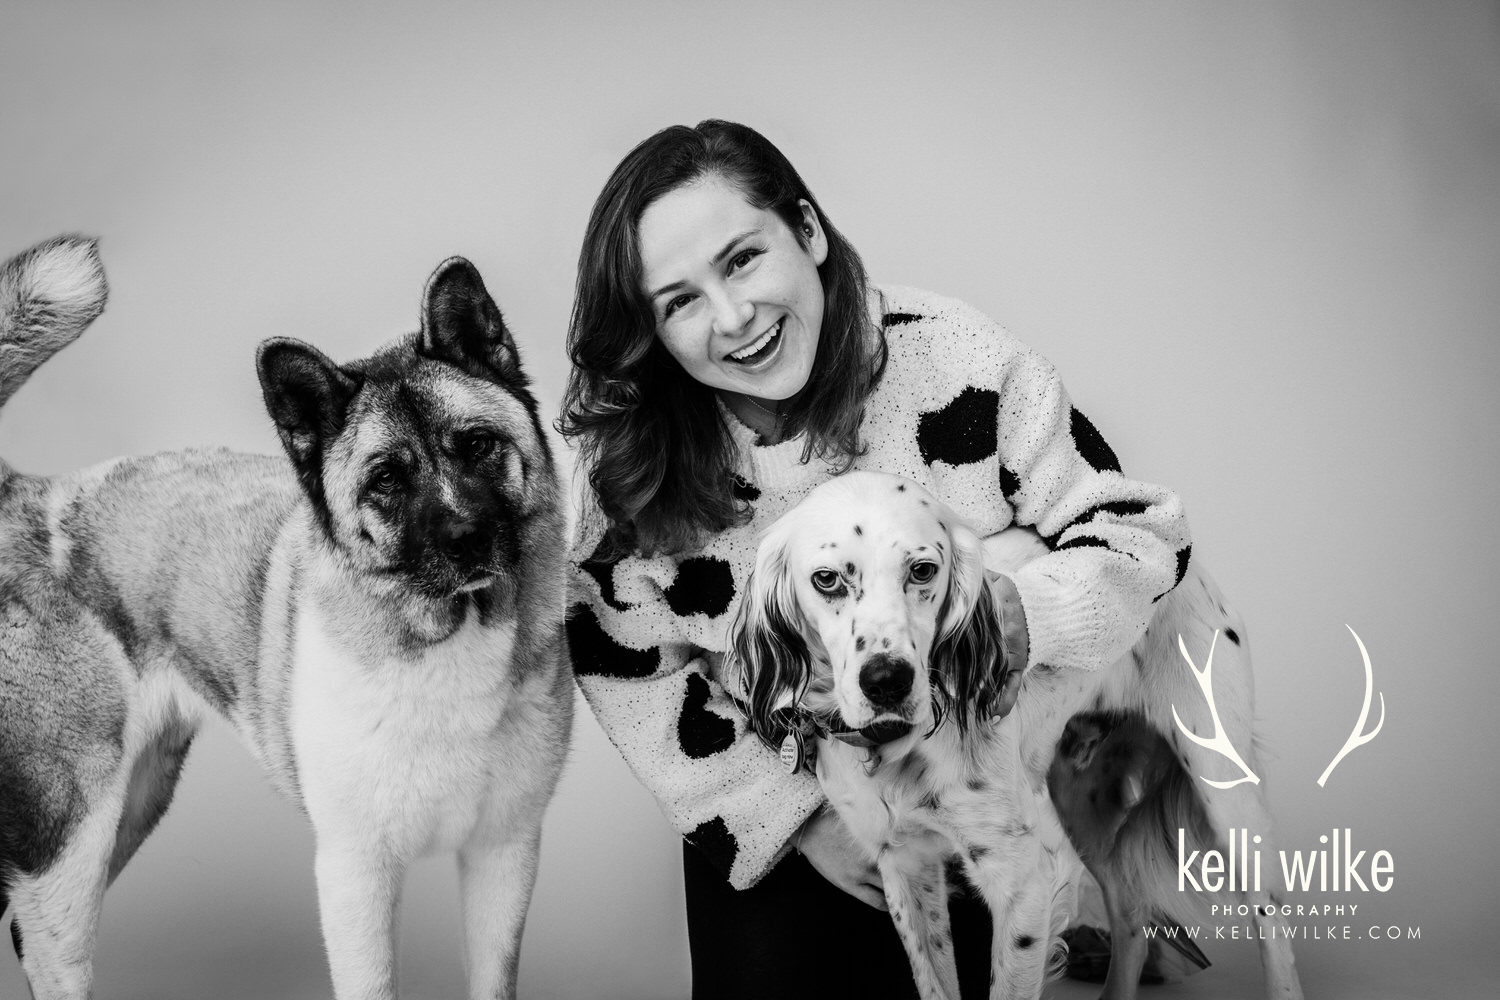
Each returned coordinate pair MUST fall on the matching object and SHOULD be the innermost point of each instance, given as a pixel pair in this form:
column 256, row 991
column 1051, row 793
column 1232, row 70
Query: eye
column 384, row 479
column 742, row 259
column 675, row 304
column 475, row 446
column 922, row 572
column 826, row 580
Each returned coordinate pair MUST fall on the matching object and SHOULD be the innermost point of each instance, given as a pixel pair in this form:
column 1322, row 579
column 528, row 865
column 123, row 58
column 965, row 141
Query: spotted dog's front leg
column 1019, row 886
column 917, row 894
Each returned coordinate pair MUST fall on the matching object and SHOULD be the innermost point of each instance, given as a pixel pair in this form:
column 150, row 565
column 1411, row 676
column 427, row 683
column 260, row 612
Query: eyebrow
column 714, row 261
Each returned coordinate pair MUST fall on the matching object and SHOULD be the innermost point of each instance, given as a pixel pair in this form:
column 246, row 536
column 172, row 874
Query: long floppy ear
column 768, row 655
column 968, row 654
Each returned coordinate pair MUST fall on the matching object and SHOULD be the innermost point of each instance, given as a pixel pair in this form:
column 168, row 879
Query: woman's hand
column 1014, row 638
column 828, row 847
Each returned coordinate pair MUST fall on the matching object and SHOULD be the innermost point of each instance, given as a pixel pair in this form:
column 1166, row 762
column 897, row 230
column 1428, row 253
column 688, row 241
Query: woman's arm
column 1118, row 545
column 649, row 686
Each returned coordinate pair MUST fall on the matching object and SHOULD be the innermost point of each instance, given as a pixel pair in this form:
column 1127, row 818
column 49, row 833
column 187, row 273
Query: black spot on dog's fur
column 700, row 732
column 1184, row 554
column 704, row 585
column 595, row 653
column 1025, row 941
column 899, row 319
column 1229, row 634
column 962, row 432
column 978, row 851
column 858, row 531
column 716, row 842
column 15, row 933
column 1091, row 444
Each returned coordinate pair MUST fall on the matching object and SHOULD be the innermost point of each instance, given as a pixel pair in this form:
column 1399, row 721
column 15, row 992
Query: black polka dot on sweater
column 716, row 842
column 744, row 489
column 602, row 569
column 963, row 431
column 704, row 586
column 1184, row 554
column 701, row 732
column 1092, row 446
column 1083, row 541
column 1009, row 484
column 594, row 652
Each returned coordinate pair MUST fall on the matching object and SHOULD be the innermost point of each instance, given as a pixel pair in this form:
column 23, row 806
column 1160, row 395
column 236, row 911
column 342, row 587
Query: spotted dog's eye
column 922, row 572
column 475, row 446
column 384, row 479
column 826, row 580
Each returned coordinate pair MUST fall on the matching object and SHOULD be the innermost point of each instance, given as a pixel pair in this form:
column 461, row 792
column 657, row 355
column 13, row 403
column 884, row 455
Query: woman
column 728, row 356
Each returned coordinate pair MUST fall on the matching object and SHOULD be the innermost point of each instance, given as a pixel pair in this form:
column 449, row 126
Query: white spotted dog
column 869, row 629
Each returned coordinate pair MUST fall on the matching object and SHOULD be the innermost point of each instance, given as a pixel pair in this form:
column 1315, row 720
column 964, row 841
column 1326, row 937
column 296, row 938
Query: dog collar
column 799, row 747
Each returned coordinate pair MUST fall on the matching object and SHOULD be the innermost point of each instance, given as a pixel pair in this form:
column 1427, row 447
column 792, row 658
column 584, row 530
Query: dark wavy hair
column 658, row 451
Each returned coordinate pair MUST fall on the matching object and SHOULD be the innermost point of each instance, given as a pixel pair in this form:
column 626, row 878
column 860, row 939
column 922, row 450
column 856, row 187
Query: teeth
column 762, row 341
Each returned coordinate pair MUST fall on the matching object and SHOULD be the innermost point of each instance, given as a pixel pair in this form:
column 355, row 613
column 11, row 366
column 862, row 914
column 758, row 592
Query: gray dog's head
column 423, row 462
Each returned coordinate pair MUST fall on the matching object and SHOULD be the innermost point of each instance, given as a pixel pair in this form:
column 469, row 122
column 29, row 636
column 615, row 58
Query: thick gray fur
column 140, row 593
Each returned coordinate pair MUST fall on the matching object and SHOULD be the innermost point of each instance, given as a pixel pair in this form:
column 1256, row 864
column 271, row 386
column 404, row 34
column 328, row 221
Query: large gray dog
column 379, row 619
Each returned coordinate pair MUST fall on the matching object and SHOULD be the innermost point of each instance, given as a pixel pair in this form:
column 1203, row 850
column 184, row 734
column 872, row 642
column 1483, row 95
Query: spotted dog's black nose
column 886, row 680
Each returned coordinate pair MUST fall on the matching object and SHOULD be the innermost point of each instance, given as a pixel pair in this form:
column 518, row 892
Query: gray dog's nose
column 886, row 680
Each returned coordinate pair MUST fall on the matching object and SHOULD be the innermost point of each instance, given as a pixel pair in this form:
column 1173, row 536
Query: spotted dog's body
column 869, row 612
column 379, row 620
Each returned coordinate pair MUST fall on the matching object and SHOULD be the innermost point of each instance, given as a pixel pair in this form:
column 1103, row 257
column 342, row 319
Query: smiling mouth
column 760, row 348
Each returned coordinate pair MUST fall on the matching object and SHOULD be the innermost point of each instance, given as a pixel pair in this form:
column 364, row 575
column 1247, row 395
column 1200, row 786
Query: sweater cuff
column 767, row 844
column 1069, row 629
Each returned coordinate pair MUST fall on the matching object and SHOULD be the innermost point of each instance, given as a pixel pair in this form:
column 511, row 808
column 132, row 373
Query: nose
column 461, row 538
column 886, row 680
column 730, row 314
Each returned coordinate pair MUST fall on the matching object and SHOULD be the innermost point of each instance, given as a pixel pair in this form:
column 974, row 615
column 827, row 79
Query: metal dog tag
column 793, row 755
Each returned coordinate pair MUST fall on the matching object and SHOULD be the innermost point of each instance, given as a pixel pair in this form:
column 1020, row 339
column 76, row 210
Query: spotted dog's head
column 426, row 462
column 868, row 607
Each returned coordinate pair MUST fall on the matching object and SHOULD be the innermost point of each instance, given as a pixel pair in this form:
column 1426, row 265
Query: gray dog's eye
column 922, row 572
column 825, row 580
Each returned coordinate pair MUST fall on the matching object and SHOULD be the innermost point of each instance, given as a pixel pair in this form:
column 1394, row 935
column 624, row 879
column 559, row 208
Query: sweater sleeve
column 639, row 634
column 1118, row 545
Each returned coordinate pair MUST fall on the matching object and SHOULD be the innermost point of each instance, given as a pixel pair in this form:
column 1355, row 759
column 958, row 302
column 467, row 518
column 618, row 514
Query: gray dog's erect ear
column 307, row 396
column 462, row 325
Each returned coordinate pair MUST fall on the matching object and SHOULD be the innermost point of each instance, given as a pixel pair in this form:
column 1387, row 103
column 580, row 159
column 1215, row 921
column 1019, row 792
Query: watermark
column 1240, row 870
column 1220, row 742
column 1290, row 932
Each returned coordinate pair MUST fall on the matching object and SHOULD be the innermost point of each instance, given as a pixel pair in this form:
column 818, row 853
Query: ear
column 307, row 396
column 969, row 652
column 768, row 656
column 462, row 325
column 813, row 236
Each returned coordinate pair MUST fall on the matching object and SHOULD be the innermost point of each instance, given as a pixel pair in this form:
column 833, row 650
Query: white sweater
column 970, row 413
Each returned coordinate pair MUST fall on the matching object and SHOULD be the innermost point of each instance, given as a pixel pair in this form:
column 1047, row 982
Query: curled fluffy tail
column 48, row 295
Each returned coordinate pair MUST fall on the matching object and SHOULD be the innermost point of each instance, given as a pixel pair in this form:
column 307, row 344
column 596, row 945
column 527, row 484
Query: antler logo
column 1355, row 739
column 1220, row 742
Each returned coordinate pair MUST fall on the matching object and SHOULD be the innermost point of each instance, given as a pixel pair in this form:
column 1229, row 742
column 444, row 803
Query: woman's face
column 736, row 297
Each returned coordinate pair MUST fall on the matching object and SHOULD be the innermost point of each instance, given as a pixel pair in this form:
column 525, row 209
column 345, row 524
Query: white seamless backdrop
column 1260, row 241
